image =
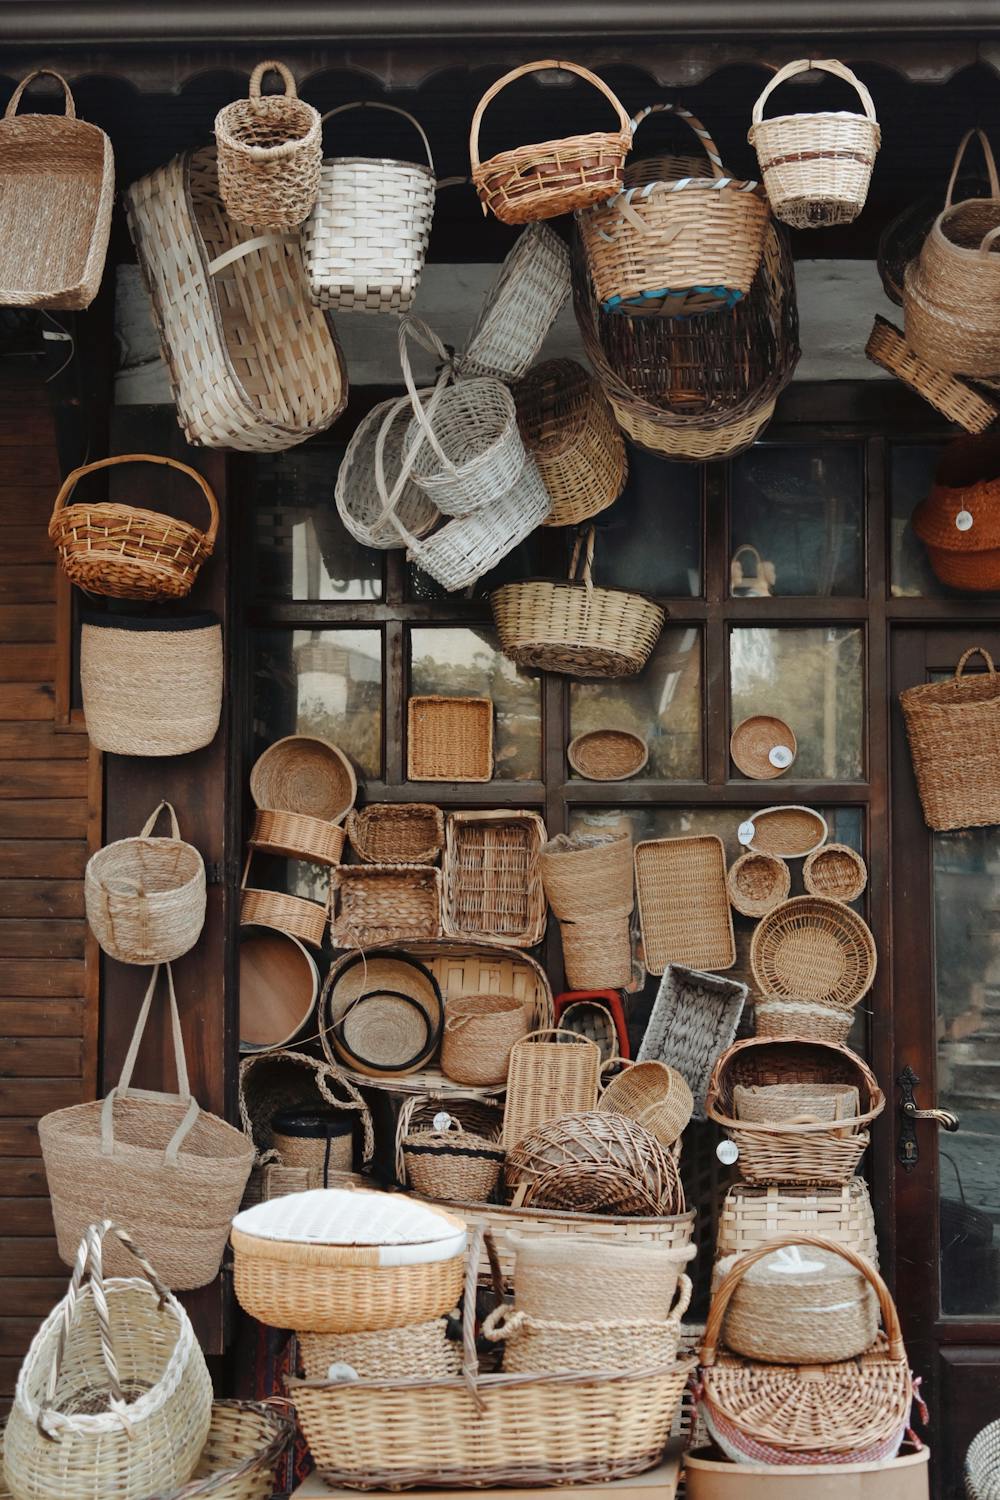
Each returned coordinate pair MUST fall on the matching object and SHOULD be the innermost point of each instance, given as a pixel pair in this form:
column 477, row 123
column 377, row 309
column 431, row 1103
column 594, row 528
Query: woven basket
column 374, row 904
column 774, row 1103
column 593, row 1020
column 796, row 1308
column 297, row 836
column 477, row 1116
column 596, row 1163
column 754, row 1216
column 479, row 1031
column 901, row 239
column 451, row 1163
column 954, row 732
column 171, row 1173
column 492, row 881
column 245, row 1442
column 388, row 970
column 959, row 521
column 57, row 180
column 953, row 397
column 570, row 431
column 449, row 739
column 384, row 1033
column 520, row 307
column 423, row 1349
column 277, row 1081
column 607, row 754
column 694, row 1018
column 306, row 775
column 982, row 1464
column 581, row 1005
column 546, row 1079
column 572, row 626
column 758, row 883
column 278, row 986
column 597, row 952
column 252, row 364
column 145, row 896
column 790, row 832
column 571, row 1279
column 655, row 1095
column 270, row 153
column 292, row 915
column 360, row 504
column 683, row 902
column 113, row 1397
column 553, row 177
column 836, row 871
column 588, row 875
column 319, row 1140
column 124, row 551
column 692, row 445
column 775, row 1016
column 812, row 948
column 151, row 686
column 365, row 241
column 683, row 245
column 762, row 747
column 408, row 833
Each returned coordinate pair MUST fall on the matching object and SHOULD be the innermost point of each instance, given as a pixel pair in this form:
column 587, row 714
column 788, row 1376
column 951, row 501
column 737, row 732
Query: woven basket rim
column 501, row 1382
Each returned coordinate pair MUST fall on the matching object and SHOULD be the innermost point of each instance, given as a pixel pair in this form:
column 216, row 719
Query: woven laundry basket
column 145, row 896
column 570, row 431
column 520, row 307
column 954, row 732
column 959, row 521
column 270, row 152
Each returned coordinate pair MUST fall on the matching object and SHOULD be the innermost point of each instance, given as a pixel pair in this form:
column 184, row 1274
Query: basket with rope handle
column 270, row 154
column 145, row 896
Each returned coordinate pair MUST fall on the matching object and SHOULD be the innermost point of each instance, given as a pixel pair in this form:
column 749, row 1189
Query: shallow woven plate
column 812, row 948
column 789, row 832
column 763, row 747
column 607, row 754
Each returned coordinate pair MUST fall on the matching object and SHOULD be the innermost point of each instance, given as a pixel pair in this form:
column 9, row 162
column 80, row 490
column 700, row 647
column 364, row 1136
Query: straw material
column 360, row 974
column 451, row 1163
column 270, row 153
column 653, row 1094
column 57, row 184
column 304, row 774
column 691, row 445
column 327, row 1149
column 594, row 1162
column 789, row 832
column 374, row 904
column 298, row 837
column 553, row 177
column 449, row 739
column 408, row 833
column 145, row 896
column 245, row 1442
column 571, row 1279
column 423, row 1349
column 777, row 1017
column 151, row 687
column 547, row 1079
column 360, row 504
column 814, row 1309
column 475, row 1115
column 272, row 1082
column 569, row 429
column 593, row 1020
column 694, row 1019
column 836, row 871
column 588, row 875
column 758, row 883
column 953, row 397
column 384, row 1033
column 812, row 948
column 479, row 1031
column 597, row 952
column 768, row 1103
column 607, row 754
column 753, row 1216
column 959, row 521
column 365, row 241
column 113, row 1397
column 982, row 1464
column 683, row 902
column 252, row 365
column 539, row 1344
column 762, row 747
column 294, row 915
column 520, row 307
column 492, row 884
column 954, row 732
column 816, row 167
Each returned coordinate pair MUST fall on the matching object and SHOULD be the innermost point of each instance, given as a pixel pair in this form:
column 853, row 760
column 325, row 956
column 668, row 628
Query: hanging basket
column 553, row 177
column 688, row 444
column 954, row 732
column 492, row 883
column 270, row 153
column 953, row 397
column 361, row 504
column 836, row 871
column 520, row 307
column 145, row 896
column 959, row 521
column 569, row 429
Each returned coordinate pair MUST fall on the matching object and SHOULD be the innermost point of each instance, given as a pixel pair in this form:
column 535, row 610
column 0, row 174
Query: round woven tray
column 608, row 754
column 304, row 774
column 763, row 747
column 812, row 948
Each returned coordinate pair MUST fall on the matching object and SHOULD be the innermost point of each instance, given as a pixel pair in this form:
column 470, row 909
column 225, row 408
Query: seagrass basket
column 776, row 1016
column 693, row 1020
column 477, row 1116
column 569, row 429
column 281, row 1080
column 788, row 831
column 449, row 739
column 373, row 904
column 547, row 1079
column 479, row 1031
column 758, row 883
column 836, row 871
column 752, row 1216
column 145, row 896
column 245, row 1441
column 306, row 775
column 151, row 686
column 595, row 1162
column 762, row 747
column 952, row 396
column 588, row 875
column 270, row 153
column 360, row 502
column 384, row 1034
column 597, row 951
column 959, row 521
column 607, row 754
column 294, row 915
column 408, row 833
column 492, row 881
column 422, row 1349
column 953, row 728
column 655, row 1095
column 518, row 310
column 451, row 1163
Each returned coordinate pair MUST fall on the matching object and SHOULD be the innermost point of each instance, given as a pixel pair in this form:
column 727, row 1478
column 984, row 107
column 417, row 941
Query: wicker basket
column 790, row 832
column 953, row 397
column 691, row 444
column 57, row 180
column 683, row 901
column 762, row 747
column 479, row 1031
column 520, row 307
column 607, row 754
column 406, row 833
column 423, row 1349
column 836, row 871
column 597, row 952
column 297, row 836
column 124, row 551
column 553, row 177
column 982, row 1464
column 365, row 241
column 305, row 775
column 449, row 739
column 360, row 503
column 775, row 1016
column 676, row 246
column 451, row 1163
column 477, row 1116
column 570, row 431
column 492, row 881
column 816, row 167
column 278, row 986
column 384, row 1034
column 145, row 896
column 244, row 1444
column 593, row 1020
column 292, row 915
column 588, row 875
column 270, row 153
column 775, row 1103
column 596, row 1163
column 959, row 521
column 547, row 1079
column 812, row 948
column 373, row 904
column 758, row 883
column 113, row 1397
column 655, row 1095
column 572, row 626
column 567, row 1278
column 272, row 1083
column 954, row 732
column 694, row 1019
column 252, row 365
column 754, row 1216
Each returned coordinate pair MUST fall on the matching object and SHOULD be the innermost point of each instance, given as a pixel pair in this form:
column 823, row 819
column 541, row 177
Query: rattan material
column 384, row 1033
column 790, row 832
column 57, row 183
column 552, row 177
column 836, row 871
column 683, row 903
column 365, row 241
column 297, row 836
column 813, row 948
column 304, row 774
column 252, row 365
column 270, row 152
column 479, row 1031
column 245, row 1442
column 151, row 686
column 901, row 239
column 451, row 1163
column 423, row 1349
column 954, row 732
column 549, row 1078
column 374, row 904
column 588, row 875
column 752, row 1216
column 758, row 883
column 569, row 429
column 953, row 397
column 655, row 1095
column 795, row 1308
column 360, row 503
column 127, row 551
column 594, row 1162
column 774, row 1016
column 408, row 833
column 492, row 882
column 294, row 915
column 762, row 747
column 694, row 1019
column 770, row 1103
column 692, row 445
column 593, row 1020
column 271, row 1082
column 113, row 1397
column 982, row 1465
column 145, row 896
column 520, row 307
column 449, row 739
column 959, row 521
column 477, row 1116
column 680, row 245
column 607, row 754
column 168, row 1171
column 597, row 952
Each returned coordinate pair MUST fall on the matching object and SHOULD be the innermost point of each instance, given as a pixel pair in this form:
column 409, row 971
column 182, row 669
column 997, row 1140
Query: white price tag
column 442, row 1120
column 745, row 832
column 963, row 520
column 780, row 757
column 727, row 1152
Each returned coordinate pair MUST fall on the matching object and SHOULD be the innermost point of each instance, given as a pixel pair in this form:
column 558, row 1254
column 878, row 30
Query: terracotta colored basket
column 952, row 396
column 959, row 521
column 954, row 732
column 270, row 153
column 570, row 431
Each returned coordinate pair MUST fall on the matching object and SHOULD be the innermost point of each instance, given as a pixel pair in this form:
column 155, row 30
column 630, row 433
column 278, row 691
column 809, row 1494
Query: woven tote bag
column 114, row 1397
column 269, row 154
column 145, row 896
column 170, row 1172
column 954, row 732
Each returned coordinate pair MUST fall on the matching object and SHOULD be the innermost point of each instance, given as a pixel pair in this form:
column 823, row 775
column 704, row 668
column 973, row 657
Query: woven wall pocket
column 365, row 241
column 145, row 896
column 758, row 883
column 575, row 627
column 953, row 397
column 245, row 1442
column 450, row 1162
column 252, row 370
column 449, row 739
column 751, row 1216
column 270, row 152
column 305, row 776
column 677, row 246
column 492, row 880
column 548, row 1078
column 594, row 1162
column 694, row 1019
column 812, row 948
column 655, row 1095
column 409, row 833
column 295, row 915
column 607, row 754
column 790, row 832
column 959, row 521
column 57, row 180
column 479, row 1031
column 837, row 871
column 553, row 177
column 172, row 1173
column 519, row 308
column 683, row 901
column 954, row 732
column 570, row 431
column 372, row 904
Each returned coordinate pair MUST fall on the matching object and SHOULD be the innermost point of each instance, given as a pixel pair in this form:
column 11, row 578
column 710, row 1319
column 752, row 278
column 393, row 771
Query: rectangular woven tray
column 694, row 1018
column 684, row 909
column 449, row 739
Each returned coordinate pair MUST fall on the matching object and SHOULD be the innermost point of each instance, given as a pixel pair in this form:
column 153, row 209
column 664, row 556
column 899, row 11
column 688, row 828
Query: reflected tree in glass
column 322, row 682
column 662, row 705
column 467, row 663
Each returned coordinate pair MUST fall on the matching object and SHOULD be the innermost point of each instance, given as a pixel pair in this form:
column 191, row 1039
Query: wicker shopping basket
column 145, row 896
column 954, row 732
column 270, row 153
column 570, row 431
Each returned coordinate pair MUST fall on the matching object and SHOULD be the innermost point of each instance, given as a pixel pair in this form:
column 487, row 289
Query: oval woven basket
column 294, row 915
column 145, row 896
column 763, row 747
column 813, row 948
column 790, row 831
column 758, row 883
column 608, row 754
column 451, row 1163
column 570, row 431
column 360, row 503
column 270, row 153
column 836, row 871
column 774, row 1016
column 520, row 307
column 595, row 1162
column 304, row 774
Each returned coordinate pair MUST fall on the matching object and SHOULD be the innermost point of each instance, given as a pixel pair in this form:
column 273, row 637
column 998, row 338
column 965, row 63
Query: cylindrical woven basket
column 546, row 1079
column 477, row 1116
column 775, row 1016
column 451, row 1163
column 596, row 1163
column 245, row 1441
column 597, row 952
column 588, row 875
column 405, row 833
column 320, row 1140
column 151, row 687
column 607, row 754
column 573, row 1277
column 837, row 871
column 520, row 307
column 297, row 836
column 295, row 915
column 360, row 504
column 270, row 153
column 655, row 1095
column 479, row 1031
column 751, row 1216
column 953, row 397
column 304, row 774
column 758, row 883
column 954, row 732
column 812, row 948
column 569, row 429
column 145, row 896
column 389, row 1354
column 959, row 521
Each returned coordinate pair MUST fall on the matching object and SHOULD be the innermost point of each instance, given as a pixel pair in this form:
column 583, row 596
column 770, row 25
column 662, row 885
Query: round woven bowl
column 304, row 774
column 608, row 754
column 293, row 915
column 758, row 883
column 811, row 948
column 819, row 1315
column 383, row 1032
column 837, row 871
column 790, row 832
column 774, row 1016
column 655, row 1095
column 595, row 1162
column 763, row 747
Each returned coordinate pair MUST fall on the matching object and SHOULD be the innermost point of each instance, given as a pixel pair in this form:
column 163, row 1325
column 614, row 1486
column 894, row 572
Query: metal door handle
column 907, row 1147
column 946, row 1118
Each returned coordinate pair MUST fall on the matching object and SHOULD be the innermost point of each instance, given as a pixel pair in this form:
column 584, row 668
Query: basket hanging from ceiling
column 569, row 429
column 519, row 308
column 270, row 152
column 952, row 396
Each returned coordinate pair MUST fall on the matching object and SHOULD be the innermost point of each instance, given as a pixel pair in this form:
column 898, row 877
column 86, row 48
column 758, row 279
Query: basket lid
column 404, row 1232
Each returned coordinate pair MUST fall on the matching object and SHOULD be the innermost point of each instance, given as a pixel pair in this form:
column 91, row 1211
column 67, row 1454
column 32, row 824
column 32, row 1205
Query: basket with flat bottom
column 422, row 1349
column 751, row 1216
column 570, row 431
column 270, row 152
column 244, row 1443
column 953, row 728
column 492, row 884
column 758, row 883
column 683, row 901
column 813, row 948
column 959, row 521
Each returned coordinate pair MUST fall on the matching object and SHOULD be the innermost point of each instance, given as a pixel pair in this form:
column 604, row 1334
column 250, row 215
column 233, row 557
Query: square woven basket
column 492, row 877
column 449, row 739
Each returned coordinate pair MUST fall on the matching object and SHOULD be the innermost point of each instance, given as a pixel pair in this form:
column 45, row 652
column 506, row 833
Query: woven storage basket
column 252, row 364
column 762, row 747
column 580, row 1006
column 451, row 1163
column 789, row 832
column 683, row 245
column 572, row 1278
column 388, row 972
column 814, row 1415
column 151, row 686
column 655, row 1095
column 297, row 836
column 816, row 167
column 384, row 1033
column 772, row 1103
column 479, row 1031
column 449, row 739
column 802, row 1153
column 520, row 307
column 954, row 732
column 270, row 152
column 57, row 181
column 245, row 1442
column 901, row 239
column 953, row 397
column 683, row 903
column 594, row 1162
column 546, row 1079
column 492, row 882
column 691, row 444
column 553, row 177
column 982, row 1464
column 360, row 504
column 113, row 1397
column 754, row 1216
column 423, row 1349
column 278, row 987
column 837, row 871
column 319, row 1141
column 145, row 896
column 694, row 1019
column 365, row 241
column 570, row 431
column 305, row 775
column 812, row 948
column 588, row 875
column 572, row 626
column 168, row 1171
column 407, row 833
column 777, row 1017
column 607, row 754
column 597, row 952
column 374, row 904
column 758, row 883
column 277, row 1081
column 293, row 915
column 477, row 1116
column 125, row 551
column 593, row 1020
column 959, row 521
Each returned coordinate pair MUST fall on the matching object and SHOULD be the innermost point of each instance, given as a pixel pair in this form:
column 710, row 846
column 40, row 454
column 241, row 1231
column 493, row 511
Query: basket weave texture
column 953, row 397
column 388, row 1354
column 788, row 832
column 451, row 1163
column 588, row 875
column 655, row 1095
column 597, row 952
column 683, row 903
column 813, row 1309
column 151, row 687
column 297, row 836
column 959, row 521
column 374, row 904
column 694, row 1019
column 492, row 881
column 520, row 307
column 274, row 1081
column 570, row 431
column 449, row 739
column 836, row 871
column 758, row 883
column 479, row 1031
column 982, row 1464
column 410, row 833
column 751, row 1216
column 306, row 775
column 813, row 948
column 754, row 742
column 360, row 503
column 777, row 1017
column 270, row 152
column 607, row 754
column 294, row 915
column 954, row 732
column 145, row 896
column 597, row 1163
column 549, row 1078
column 245, row 1441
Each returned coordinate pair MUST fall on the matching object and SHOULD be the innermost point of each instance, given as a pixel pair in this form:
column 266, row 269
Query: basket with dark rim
column 959, row 521
column 384, row 1033
column 607, row 754
column 570, row 431
column 478, row 1117
column 814, row 948
column 450, row 1162
column 406, row 833
column 270, row 153
column 952, row 396
column 837, row 871
column 758, row 883
column 953, row 728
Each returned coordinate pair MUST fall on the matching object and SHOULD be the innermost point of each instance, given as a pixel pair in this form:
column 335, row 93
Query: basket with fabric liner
column 145, row 896
column 595, row 1162
column 546, row 1079
column 655, row 1095
column 762, row 747
column 790, row 832
column 777, row 1017
column 451, row 1162
column 570, row 431
column 959, row 521
column 449, row 739
column 549, row 178
column 683, row 901
column 127, row 551
column 757, row 883
column 245, row 1441
column 694, row 1019
column 387, row 1354
column 837, row 871
column 607, row 754
column 270, row 152
column 373, row 904
column 751, row 1216
column 492, row 881
column 953, row 729
column 952, row 396
column 406, row 833
column 479, row 1031
column 520, row 306
column 813, row 948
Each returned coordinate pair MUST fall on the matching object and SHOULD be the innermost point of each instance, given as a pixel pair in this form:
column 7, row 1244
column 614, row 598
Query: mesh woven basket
column 492, row 880
column 360, row 503
column 270, row 153
column 520, row 307
column 607, row 754
column 594, row 1162
column 813, row 948
column 836, row 871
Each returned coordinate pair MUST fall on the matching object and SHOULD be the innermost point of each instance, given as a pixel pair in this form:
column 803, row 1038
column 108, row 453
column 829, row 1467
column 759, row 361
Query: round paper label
column 780, row 757
column 745, row 832
column 964, row 520
column 727, row 1152
column 442, row 1120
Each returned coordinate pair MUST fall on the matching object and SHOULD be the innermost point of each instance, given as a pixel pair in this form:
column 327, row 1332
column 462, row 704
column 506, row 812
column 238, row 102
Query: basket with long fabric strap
column 270, row 151
column 279, row 1080
column 114, row 1396
column 145, row 896
column 167, row 1170
column 953, row 728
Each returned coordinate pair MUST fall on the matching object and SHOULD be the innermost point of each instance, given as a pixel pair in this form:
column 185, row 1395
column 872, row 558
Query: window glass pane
column 465, row 663
column 801, row 509
column 322, row 682
column 662, row 705
column 911, row 474
column 813, row 678
column 650, row 539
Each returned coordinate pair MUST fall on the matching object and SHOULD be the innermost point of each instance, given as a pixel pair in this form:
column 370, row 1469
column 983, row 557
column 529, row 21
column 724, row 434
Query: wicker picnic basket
column 479, row 1031
column 125, row 551
column 753, row 1216
column 953, row 397
column 373, row 904
column 959, row 521
column 520, row 307
column 595, row 1162
column 693, row 1020
column 814, row 948
column 762, row 747
column 409, row 833
column 655, row 1095
column 552, row 177
column 954, row 732
column 547, row 1079
column 114, row 1396
column 252, row 364
column 270, row 153
column 449, row 739
column 245, row 1441
column 683, row 902
column 775, row 1016
column 365, row 241
column 758, row 883
column 387, row 1354
column 145, row 896
column 450, row 1162
column 359, row 500
column 570, row 431
column 492, row 881
column 607, row 754
column 982, row 1464
column 836, row 871
column 675, row 246
column 57, row 180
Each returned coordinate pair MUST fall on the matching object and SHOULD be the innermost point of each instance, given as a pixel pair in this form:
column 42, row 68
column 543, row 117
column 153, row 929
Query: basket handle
column 15, row 97
column 470, row 1363
column 561, row 1033
column 706, row 142
column 416, row 328
column 71, row 481
column 975, row 651
column 285, row 74
column 392, row 109
column 991, row 166
column 123, row 1089
column 806, row 65
column 150, row 822
column 724, row 1292
column 588, row 559
column 540, row 67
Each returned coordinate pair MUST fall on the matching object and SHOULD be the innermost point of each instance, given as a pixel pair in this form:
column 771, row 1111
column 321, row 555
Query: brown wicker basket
column 477, row 1116
column 836, row 871
column 954, row 732
column 307, row 775
column 373, row 904
column 588, row 875
column 281, row 1079
column 812, row 948
column 479, row 1031
column 594, row 1162
column 655, row 1095
column 570, row 431
column 952, row 396
column 683, row 903
column 608, row 754
column 548, row 1079
column 297, row 836
column 751, row 1216
column 449, row 739
column 244, row 1443
column 451, row 1163
column 295, row 915
column 774, row 1016
column 762, row 747
column 959, row 521
column 492, row 880
column 406, row 833
column 270, row 154
column 758, row 883
column 790, row 831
